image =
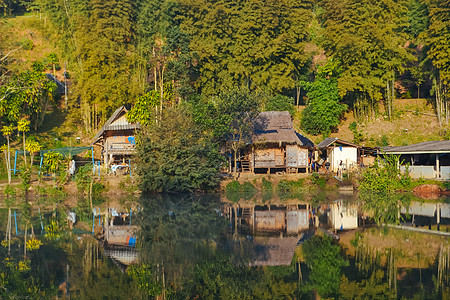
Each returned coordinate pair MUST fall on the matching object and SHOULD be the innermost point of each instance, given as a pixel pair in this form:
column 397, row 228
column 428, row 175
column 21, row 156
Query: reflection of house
column 291, row 218
column 427, row 159
column 126, row 256
column 274, row 251
column 343, row 215
column 116, row 137
column 431, row 210
column 276, row 146
column 339, row 153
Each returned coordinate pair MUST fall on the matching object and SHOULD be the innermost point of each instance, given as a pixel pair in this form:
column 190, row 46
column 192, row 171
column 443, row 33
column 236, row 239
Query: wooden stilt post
column 438, row 171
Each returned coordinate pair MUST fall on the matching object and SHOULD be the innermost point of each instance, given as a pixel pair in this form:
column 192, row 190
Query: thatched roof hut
column 276, row 146
column 277, row 127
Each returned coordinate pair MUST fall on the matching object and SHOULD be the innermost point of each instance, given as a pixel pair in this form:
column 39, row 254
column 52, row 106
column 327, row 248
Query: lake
column 201, row 247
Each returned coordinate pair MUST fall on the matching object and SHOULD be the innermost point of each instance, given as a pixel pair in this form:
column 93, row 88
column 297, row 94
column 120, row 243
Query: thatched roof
column 330, row 141
column 420, row 148
column 274, row 251
column 277, row 127
column 116, row 122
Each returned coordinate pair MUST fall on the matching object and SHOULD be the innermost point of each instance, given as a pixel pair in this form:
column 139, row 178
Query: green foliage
column 28, row 95
column 267, row 189
column 83, row 178
column 219, row 278
column 287, row 189
column 379, row 189
column 235, row 191
column 316, row 179
column 368, row 39
column 248, row 190
column 281, row 103
column 233, row 187
column 358, row 136
column 325, row 262
column 52, row 161
column 18, row 280
column 25, row 176
column 436, row 36
column 26, row 44
column 383, row 141
column 323, row 110
column 144, row 277
column 143, row 110
column 128, row 185
column 10, row 190
column 375, row 287
column 253, row 43
column 175, row 155
column 418, row 17
column 53, row 230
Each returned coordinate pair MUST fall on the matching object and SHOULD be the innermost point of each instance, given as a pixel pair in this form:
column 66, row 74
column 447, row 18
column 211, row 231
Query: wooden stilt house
column 276, row 146
column 117, row 138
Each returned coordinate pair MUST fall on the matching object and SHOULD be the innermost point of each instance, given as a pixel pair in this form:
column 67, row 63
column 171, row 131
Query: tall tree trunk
column 8, row 161
column 24, row 151
column 235, row 164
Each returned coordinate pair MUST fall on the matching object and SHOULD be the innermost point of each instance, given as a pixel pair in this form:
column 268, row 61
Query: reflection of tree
column 184, row 241
column 325, row 263
column 26, row 278
column 177, row 232
column 93, row 275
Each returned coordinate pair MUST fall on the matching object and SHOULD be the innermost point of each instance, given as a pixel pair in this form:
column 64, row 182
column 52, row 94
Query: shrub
column 267, row 185
column 248, row 190
column 26, row 44
column 317, row 180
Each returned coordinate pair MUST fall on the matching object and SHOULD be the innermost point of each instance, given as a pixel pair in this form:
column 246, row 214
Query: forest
column 330, row 55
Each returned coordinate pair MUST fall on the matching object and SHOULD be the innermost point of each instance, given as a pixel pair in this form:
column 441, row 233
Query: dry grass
column 410, row 245
column 409, row 126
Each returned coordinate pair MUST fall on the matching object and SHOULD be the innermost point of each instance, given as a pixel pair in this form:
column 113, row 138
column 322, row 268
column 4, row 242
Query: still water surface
column 201, row 247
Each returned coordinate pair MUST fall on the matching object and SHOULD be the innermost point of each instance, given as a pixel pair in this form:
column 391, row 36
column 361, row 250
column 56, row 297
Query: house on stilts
column 275, row 146
column 117, row 139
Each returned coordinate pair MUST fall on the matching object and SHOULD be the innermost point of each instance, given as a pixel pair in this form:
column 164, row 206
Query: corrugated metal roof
column 329, row 141
column 117, row 121
column 276, row 127
column 425, row 147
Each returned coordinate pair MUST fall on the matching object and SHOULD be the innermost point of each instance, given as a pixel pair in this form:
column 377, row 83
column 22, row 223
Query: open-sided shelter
column 276, row 146
column 427, row 159
column 117, row 137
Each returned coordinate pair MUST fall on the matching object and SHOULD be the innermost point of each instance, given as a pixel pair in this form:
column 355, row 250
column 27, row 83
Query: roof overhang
column 416, row 152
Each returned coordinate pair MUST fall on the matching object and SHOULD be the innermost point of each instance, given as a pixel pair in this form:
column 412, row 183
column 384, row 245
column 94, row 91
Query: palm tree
column 32, row 147
column 24, row 126
column 7, row 131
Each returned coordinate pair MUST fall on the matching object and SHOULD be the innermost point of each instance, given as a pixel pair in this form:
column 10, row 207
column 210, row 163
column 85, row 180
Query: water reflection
column 203, row 247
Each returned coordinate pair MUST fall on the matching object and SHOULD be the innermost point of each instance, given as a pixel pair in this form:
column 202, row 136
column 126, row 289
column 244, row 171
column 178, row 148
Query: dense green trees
column 123, row 49
column 260, row 44
column 175, row 155
column 368, row 40
column 324, row 109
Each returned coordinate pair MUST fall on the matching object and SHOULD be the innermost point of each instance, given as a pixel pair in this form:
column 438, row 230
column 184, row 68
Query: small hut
column 340, row 154
column 276, row 146
column 117, row 138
